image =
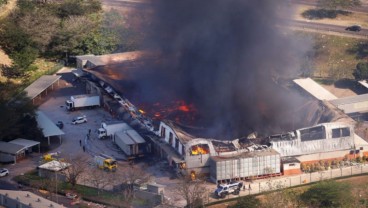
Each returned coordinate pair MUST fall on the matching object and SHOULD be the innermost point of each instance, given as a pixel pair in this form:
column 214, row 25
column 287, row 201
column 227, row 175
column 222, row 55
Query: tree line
column 51, row 30
column 55, row 30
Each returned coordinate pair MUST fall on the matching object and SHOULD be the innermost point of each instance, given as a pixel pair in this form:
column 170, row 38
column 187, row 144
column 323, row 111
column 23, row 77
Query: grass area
column 336, row 57
column 87, row 193
column 43, row 66
column 358, row 182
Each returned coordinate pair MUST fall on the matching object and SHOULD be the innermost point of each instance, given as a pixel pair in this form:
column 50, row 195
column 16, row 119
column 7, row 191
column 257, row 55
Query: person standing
column 84, row 148
column 250, row 188
column 80, row 142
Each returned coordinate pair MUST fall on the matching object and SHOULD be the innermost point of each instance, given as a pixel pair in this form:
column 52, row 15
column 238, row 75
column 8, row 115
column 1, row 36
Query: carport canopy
column 40, row 85
column 48, row 127
column 26, row 143
column 11, row 149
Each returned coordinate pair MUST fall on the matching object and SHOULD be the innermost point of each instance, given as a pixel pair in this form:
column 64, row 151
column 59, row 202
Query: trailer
column 82, row 101
column 108, row 129
column 132, row 144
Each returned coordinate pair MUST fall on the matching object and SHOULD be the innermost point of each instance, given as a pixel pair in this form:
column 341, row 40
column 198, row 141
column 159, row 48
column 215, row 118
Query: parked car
column 71, row 195
column 355, row 28
column 60, row 124
column 79, row 120
column 4, row 172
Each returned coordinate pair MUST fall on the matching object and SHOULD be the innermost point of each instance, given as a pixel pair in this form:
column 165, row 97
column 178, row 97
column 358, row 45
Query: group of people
column 88, row 136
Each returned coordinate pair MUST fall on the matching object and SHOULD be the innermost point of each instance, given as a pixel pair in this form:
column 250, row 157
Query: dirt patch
column 4, row 59
column 4, row 10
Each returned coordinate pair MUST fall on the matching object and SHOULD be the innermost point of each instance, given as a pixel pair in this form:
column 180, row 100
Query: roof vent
column 28, row 195
column 30, row 204
column 38, row 200
column 6, row 194
column 51, row 205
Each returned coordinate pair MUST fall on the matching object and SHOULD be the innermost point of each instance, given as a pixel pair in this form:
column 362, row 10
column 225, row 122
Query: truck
column 82, row 101
column 131, row 143
column 50, row 156
column 105, row 162
column 230, row 188
column 108, row 129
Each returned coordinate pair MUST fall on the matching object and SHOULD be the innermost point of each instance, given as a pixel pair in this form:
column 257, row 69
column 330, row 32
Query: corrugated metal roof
column 48, row 127
column 25, row 142
column 124, row 138
column 54, row 165
column 130, row 137
column 182, row 135
column 315, row 89
column 28, row 198
column 252, row 154
column 41, row 84
column 9, row 148
column 349, row 100
column 135, row 136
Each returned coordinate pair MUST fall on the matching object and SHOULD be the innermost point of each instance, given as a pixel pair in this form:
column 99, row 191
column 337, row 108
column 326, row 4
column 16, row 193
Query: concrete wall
column 52, row 175
column 152, row 198
column 291, row 168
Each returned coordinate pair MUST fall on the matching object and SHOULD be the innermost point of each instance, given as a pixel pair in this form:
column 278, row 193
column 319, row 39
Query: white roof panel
column 25, row 142
column 41, row 84
column 364, row 83
column 48, row 127
column 54, row 165
column 135, row 136
column 315, row 89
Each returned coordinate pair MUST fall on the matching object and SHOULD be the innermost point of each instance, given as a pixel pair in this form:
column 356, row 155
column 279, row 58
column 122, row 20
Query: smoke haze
column 227, row 58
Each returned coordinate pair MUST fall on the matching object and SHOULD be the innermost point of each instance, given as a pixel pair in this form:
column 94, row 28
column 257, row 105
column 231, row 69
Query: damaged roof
column 182, row 135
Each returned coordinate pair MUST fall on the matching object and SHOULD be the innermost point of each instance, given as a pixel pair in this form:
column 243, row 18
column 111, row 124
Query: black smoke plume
column 230, row 59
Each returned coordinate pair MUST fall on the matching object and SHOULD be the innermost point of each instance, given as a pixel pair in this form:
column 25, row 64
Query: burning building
column 222, row 160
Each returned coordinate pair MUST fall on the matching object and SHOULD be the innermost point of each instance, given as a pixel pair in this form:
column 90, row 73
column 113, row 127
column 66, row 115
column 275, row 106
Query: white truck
column 108, row 129
column 82, row 101
column 132, row 144
column 230, row 188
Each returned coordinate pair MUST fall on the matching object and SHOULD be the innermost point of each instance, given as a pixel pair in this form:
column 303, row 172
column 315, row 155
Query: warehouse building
column 221, row 160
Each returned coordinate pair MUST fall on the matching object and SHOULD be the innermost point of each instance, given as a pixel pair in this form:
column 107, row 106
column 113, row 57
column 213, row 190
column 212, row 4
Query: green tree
column 361, row 71
column 338, row 4
column 17, row 118
column 328, row 194
column 40, row 26
column 247, row 202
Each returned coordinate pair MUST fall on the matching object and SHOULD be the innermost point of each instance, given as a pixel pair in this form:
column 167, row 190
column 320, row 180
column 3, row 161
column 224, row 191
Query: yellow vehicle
column 50, row 156
column 106, row 162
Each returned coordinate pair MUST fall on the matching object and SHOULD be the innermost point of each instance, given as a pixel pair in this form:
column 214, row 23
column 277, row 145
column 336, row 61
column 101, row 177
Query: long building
column 324, row 137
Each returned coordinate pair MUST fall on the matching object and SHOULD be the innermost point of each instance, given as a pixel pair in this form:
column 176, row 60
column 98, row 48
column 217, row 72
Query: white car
column 79, row 120
column 4, row 172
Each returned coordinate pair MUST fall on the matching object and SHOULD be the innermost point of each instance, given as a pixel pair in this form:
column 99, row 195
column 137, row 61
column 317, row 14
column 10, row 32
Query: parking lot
column 53, row 105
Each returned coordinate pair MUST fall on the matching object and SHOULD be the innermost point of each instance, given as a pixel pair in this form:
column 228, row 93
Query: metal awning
column 26, row 143
column 315, row 89
column 40, row 85
column 12, row 149
column 48, row 127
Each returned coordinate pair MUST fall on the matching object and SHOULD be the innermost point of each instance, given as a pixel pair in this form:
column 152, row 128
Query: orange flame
column 199, row 150
column 178, row 110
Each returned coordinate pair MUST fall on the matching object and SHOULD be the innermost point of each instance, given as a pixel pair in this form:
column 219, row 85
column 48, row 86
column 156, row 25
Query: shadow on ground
column 352, row 85
column 314, row 14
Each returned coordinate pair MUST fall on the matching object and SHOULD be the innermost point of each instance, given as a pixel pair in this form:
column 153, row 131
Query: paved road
column 327, row 27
